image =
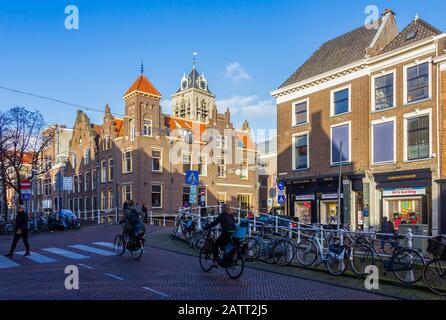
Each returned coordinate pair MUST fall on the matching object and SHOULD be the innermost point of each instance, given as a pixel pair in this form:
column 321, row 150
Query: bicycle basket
column 437, row 246
column 336, row 249
column 239, row 233
column 208, row 246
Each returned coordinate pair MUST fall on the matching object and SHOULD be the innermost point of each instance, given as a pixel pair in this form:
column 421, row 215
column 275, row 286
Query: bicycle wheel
column 137, row 254
column 407, row 265
column 306, row 252
column 283, row 253
column 336, row 264
column 389, row 247
column 235, row 268
column 434, row 275
column 119, row 245
column 198, row 241
column 252, row 249
column 206, row 260
column 363, row 256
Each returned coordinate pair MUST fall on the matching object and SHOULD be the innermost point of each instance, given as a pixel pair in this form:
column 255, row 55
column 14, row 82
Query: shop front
column 315, row 200
column 406, row 196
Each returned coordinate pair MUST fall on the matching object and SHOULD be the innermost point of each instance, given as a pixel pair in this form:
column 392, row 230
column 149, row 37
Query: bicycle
column 275, row 250
column 434, row 272
column 198, row 239
column 311, row 251
column 135, row 245
column 233, row 260
column 406, row 264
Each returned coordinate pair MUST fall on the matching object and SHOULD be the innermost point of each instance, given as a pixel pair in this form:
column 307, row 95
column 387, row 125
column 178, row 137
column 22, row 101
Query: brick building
column 137, row 156
column 377, row 91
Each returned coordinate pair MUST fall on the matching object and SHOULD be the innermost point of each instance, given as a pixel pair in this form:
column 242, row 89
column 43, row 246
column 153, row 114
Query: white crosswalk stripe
column 66, row 253
column 36, row 257
column 93, row 250
column 7, row 263
column 105, row 244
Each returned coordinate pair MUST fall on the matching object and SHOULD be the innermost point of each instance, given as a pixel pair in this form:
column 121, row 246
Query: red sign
column 25, row 184
column 308, row 205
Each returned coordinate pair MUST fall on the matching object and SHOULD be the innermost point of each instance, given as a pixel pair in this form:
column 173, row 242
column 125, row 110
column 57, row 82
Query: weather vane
column 142, row 66
column 194, row 61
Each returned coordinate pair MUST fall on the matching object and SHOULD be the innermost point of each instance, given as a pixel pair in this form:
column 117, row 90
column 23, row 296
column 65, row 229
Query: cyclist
column 227, row 223
column 132, row 220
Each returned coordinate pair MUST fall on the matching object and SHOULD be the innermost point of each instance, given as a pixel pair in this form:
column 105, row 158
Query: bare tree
column 22, row 147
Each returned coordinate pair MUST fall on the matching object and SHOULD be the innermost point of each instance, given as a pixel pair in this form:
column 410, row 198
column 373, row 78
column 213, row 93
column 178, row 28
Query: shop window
column 404, row 211
column 384, row 89
column 340, row 133
column 418, row 138
column 302, row 210
column 418, row 82
column 384, row 142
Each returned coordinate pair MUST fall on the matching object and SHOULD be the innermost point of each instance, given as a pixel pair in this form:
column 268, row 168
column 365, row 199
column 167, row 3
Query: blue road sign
column 26, row 196
column 192, row 177
column 281, row 199
column 281, row 186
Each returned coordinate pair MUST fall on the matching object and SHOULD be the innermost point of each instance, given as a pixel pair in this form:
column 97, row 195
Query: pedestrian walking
column 21, row 231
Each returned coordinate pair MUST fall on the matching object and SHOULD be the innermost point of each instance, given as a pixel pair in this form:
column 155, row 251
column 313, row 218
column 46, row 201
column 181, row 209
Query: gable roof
column 341, row 51
column 143, row 85
column 416, row 31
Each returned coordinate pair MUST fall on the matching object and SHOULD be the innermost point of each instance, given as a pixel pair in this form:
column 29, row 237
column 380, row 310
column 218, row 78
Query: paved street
column 159, row 275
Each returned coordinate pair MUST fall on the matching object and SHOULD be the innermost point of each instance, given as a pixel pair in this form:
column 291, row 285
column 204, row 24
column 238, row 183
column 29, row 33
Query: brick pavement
column 159, row 275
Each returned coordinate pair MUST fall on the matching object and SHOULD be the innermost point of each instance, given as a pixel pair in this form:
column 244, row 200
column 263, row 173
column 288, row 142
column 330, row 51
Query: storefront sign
column 305, row 197
column 404, row 192
column 327, row 196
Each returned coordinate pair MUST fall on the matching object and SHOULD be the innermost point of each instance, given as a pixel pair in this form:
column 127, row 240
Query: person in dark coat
column 386, row 227
column 21, row 231
column 227, row 223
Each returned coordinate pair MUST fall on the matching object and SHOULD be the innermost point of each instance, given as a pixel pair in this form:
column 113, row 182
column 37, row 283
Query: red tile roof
column 119, row 126
column 142, row 84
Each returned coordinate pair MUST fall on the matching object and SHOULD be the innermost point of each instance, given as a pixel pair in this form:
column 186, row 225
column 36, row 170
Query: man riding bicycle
column 227, row 223
column 132, row 219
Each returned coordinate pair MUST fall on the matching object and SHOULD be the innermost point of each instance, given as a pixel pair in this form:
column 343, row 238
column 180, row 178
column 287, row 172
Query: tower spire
column 194, row 60
column 142, row 66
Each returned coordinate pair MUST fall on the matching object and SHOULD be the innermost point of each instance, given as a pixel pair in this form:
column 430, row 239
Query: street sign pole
column 339, row 186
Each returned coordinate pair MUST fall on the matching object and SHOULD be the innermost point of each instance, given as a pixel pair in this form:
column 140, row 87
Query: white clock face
column 203, row 85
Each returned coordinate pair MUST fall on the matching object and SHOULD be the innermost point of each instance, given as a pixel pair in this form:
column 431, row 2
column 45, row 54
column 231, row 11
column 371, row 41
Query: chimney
column 387, row 11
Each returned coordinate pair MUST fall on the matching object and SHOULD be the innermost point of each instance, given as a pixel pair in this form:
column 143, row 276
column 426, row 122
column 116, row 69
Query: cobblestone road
column 159, row 275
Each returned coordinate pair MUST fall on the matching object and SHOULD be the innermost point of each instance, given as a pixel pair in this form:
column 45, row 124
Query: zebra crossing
column 54, row 254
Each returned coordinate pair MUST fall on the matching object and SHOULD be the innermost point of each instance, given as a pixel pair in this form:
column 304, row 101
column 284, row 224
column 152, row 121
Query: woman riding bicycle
column 227, row 223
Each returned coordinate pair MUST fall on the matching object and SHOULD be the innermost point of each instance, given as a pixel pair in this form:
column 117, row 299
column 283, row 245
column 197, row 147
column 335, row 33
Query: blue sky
column 245, row 48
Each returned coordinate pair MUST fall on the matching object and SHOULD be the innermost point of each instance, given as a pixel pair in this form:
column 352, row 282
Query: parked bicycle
column 406, row 264
column 6, row 227
column 434, row 273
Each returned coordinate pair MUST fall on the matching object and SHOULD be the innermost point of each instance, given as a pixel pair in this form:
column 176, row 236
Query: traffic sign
column 192, row 198
column 26, row 196
column 281, row 199
column 191, row 177
column 25, row 184
column 281, row 186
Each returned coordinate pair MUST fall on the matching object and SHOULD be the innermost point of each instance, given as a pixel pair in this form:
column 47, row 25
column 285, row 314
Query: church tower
column 193, row 100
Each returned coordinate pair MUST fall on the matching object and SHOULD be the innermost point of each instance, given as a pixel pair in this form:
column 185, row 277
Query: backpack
column 132, row 216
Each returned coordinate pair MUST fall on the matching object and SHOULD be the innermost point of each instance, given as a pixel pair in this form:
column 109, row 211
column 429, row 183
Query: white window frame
column 124, row 167
column 415, row 114
column 410, row 65
column 108, row 169
column 293, row 141
column 132, row 129
column 161, row 192
column 104, row 200
column 160, row 160
column 149, row 126
column 224, row 194
column 182, row 161
column 224, row 167
column 349, row 123
column 85, row 180
column 293, row 110
column 87, row 160
column 373, row 97
column 103, row 171
column 205, row 165
column 123, row 198
column 110, row 198
column 381, row 121
column 332, row 94
column 93, row 182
